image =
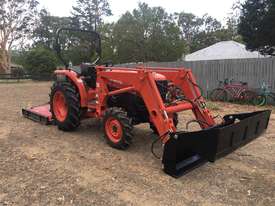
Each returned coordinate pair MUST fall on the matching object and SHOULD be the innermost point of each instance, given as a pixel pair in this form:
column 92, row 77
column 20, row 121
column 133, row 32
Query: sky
column 219, row 9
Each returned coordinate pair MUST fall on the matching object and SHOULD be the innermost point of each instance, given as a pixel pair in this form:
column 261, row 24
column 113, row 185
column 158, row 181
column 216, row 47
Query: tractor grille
column 163, row 88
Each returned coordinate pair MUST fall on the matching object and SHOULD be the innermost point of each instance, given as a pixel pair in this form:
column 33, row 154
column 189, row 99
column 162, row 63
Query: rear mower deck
column 39, row 114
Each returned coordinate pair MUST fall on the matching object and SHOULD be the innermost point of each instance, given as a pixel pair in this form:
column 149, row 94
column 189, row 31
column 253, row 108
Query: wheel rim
column 113, row 129
column 60, row 107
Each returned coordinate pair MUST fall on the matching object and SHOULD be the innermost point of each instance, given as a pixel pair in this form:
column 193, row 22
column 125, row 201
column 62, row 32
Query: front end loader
column 125, row 97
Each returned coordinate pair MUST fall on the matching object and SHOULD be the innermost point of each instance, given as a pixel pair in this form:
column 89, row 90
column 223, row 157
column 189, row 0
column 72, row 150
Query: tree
column 189, row 24
column 40, row 60
column 206, row 39
column 46, row 28
column 76, row 46
column 232, row 22
column 199, row 32
column 257, row 25
column 108, row 42
column 16, row 20
column 147, row 34
column 89, row 13
column 210, row 24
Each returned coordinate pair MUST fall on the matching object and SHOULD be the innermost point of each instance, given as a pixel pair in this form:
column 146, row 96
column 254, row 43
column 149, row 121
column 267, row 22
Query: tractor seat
column 76, row 69
column 89, row 75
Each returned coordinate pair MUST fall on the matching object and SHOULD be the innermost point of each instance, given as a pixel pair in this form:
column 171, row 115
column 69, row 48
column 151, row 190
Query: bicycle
column 230, row 90
column 264, row 95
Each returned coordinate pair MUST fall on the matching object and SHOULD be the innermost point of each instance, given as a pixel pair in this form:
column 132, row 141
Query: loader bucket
column 187, row 150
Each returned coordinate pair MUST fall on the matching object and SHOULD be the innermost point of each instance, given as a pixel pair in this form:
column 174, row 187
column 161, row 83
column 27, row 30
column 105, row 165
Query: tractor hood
column 159, row 77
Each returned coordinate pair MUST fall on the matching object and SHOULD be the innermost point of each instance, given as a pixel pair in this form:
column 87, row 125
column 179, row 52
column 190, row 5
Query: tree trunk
column 5, row 61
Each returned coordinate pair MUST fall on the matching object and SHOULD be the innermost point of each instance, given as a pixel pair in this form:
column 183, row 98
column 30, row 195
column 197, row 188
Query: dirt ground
column 40, row 165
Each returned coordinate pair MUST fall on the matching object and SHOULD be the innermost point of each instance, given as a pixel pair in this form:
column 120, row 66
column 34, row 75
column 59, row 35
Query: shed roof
column 223, row 50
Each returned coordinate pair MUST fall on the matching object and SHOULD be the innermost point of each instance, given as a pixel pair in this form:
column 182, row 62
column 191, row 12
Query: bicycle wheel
column 219, row 94
column 260, row 100
column 248, row 97
column 272, row 98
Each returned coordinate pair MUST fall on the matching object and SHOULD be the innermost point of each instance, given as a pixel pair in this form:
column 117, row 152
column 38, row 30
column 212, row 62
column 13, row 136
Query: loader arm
column 185, row 80
column 184, row 151
column 142, row 82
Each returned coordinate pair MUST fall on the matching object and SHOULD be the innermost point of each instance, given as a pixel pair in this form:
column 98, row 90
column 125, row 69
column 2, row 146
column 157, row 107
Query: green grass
column 212, row 106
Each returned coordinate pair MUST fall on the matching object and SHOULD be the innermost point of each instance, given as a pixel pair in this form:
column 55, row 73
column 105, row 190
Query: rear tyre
column 117, row 128
column 65, row 106
column 219, row 94
column 248, row 97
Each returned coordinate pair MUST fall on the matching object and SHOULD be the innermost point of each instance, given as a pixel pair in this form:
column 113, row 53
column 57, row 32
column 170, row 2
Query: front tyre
column 260, row 100
column 65, row 106
column 219, row 95
column 117, row 128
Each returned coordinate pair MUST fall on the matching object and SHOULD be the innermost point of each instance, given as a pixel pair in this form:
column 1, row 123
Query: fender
column 78, row 83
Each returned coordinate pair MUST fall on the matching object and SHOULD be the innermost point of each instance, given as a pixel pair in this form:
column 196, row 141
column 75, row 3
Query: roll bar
column 94, row 36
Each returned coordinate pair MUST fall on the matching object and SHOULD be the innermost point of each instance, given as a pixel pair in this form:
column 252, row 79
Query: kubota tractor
column 125, row 97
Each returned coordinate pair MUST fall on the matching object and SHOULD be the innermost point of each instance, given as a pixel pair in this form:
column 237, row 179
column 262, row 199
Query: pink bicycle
column 230, row 90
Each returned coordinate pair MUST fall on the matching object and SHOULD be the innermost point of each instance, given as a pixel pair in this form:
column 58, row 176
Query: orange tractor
column 125, row 97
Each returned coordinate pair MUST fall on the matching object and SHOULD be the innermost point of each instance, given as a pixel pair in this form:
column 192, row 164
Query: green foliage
column 147, row 34
column 18, row 57
column 212, row 106
column 88, row 14
column 45, row 32
column 257, row 25
column 108, row 43
column 204, row 39
column 75, row 46
column 40, row 60
column 16, row 20
column 189, row 24
column 17, row 17
column 201, row 32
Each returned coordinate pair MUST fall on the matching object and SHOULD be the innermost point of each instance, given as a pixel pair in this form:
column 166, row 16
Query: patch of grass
column 212, row 106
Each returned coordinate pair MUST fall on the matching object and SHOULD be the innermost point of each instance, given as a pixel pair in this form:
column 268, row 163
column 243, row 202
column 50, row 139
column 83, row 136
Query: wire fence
column 20, row 77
